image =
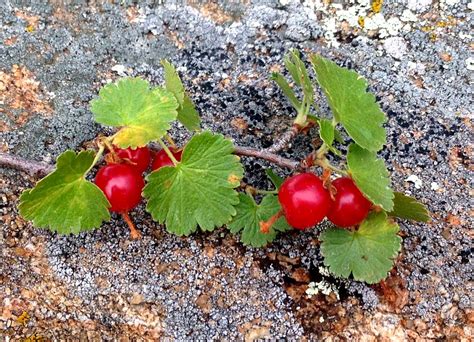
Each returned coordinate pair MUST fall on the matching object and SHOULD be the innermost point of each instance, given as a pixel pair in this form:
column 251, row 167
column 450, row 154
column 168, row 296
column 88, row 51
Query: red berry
column 162, row 159
column 350, row 207
column 140, row 157
column 122, row 184
column 304, row 200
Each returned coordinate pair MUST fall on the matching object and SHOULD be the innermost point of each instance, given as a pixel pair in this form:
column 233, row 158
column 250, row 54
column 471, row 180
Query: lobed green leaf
column 368, row 253
column 144, row 115
column 172, row 81
column 298, row 72
column 407, row 207
column 187, row 113
column 326, row 131
column 351, row 104
column 285, row 87
column 371, row 176
column 64, row 201
column 199, row 190
column 248, row 218
column 274, row 178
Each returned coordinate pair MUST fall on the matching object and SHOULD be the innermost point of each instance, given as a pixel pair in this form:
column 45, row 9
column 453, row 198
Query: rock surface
column 417, row 58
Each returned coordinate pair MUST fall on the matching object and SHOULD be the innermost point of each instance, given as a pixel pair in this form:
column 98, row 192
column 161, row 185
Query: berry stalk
column 134, row 233
column 168, row 152
column 97, row 157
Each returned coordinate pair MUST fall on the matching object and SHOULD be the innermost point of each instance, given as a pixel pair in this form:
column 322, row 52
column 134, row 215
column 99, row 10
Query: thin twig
column 42, row 169
column 266, row 155
column 283, row 141
column 22, row 164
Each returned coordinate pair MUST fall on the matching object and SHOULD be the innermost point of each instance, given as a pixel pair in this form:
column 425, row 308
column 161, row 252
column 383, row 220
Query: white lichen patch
column 323, row 287
column 415, row 180
column 470, row 63
column 408, row 16
column 434, row 186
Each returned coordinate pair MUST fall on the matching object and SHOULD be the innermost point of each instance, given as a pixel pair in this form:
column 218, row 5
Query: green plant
column 199, row 188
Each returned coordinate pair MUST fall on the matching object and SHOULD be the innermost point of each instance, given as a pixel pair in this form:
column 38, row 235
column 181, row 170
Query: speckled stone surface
column 417, row 57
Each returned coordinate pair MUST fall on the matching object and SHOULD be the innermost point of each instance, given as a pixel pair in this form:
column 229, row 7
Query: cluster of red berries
column 303, row 197
column 121, row 180
column 306, row 201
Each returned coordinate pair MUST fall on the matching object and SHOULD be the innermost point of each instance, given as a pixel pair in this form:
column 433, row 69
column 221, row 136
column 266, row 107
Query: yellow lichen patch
column 34, row 338
column 361, row 21
column 23, row 319
column 377, row 6
column 20, row 97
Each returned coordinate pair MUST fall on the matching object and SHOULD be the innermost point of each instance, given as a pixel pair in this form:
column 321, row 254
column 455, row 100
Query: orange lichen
column 20, row 97
column 212, row 11
column 31, row 20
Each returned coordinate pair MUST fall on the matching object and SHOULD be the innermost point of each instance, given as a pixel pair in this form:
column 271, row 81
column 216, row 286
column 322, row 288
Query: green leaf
column 351, row 104
column 199, row 190
column 291, row 67
column 274, row 178
column 371, row 176
column 285, row 87
column 327, row 134
column 367, row 253
column 64, row 201
column 173, row 82
column 188, row 115
column 326, row 131
column 143, row 114
column 248, row 218
column 407, row 207
column 299, row 73
column 338, row 136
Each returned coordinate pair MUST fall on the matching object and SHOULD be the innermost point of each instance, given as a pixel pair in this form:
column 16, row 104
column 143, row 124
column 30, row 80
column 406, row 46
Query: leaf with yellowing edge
column 142, row 114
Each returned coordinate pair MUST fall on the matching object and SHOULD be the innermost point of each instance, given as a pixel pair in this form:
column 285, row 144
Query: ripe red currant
column 122, row 184
column 304, row 200
column 162, row 159
column 350, row 207
column 140, row 157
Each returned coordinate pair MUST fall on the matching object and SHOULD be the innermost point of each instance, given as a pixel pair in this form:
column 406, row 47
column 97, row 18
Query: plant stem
column 250, row 190
column 168, row 152
column 336, row 169
column 266, row 192
column 170, row 140
column 266, row 225
column 96, row 158
column 108, row 143
column 326, row 164
column 134, row 233
column 283, row 141
column 265, row 154
column 22, row 164
column 42, row 169
column 321, row 160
